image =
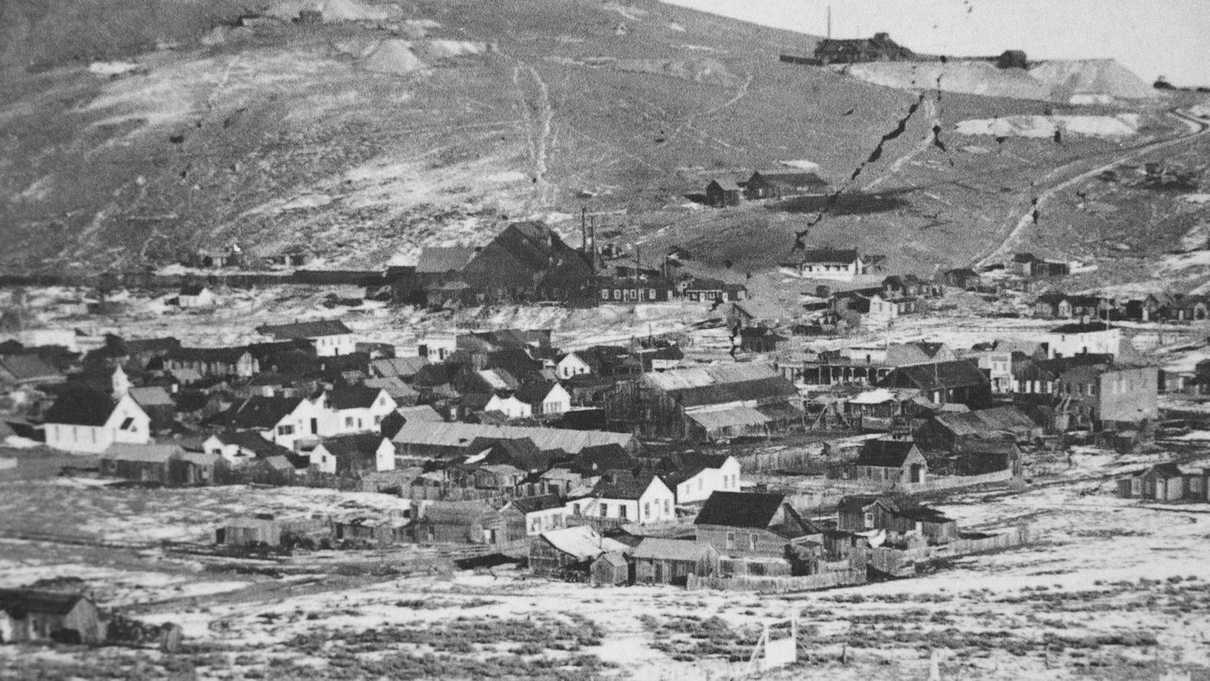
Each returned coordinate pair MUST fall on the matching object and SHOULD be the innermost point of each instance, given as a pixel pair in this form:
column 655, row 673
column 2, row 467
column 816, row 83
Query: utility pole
column 829, row 22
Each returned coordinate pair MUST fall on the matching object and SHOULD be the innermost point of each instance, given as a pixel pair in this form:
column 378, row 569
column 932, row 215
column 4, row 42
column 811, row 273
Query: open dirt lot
column 1111, row 589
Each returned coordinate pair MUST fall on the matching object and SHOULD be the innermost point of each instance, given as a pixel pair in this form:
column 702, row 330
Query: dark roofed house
column 963, row 278
column 48, row 615
column 27, row 370
column 890, row 463
column 723, row 192
column 216, row 362
column 750, row 524
column 779, row 185
column 329, row 336
column 529, row 261
column 959, row 381
column 896, row 515
column 531, row 516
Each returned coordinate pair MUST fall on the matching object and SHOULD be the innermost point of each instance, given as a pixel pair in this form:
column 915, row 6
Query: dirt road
column 1061, row 179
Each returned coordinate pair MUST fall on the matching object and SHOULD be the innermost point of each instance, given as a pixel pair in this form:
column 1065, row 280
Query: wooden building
column 750, row 524
column 38, row 615
column 670, row 561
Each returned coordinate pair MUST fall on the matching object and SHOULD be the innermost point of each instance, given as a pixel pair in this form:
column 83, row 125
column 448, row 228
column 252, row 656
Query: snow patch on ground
column 631, row 13
column 6, row 464
column 19, row 442
column 301, row 202
column 113, row 68
column 1199, row 199
column 801, row 164
column 673, row 26
column 1111, row 127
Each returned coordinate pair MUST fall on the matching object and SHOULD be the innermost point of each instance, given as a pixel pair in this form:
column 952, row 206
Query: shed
column 671, row 561
column 44, row 615
column 609, row 569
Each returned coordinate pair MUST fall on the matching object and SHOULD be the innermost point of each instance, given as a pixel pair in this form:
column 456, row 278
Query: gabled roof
column 842, row 256
column 937, row 375
column 357, row 446
column 583, row 542
column 191, row 289
column 149, row 453
column 251, row 441
column 403, row 367
column 596, row 459
column 621, row 485
column 727, row 184
column 534, row 504
column 80, row 406
column 658, row 548
column 21, row 602
column 740, row 509
column 352, row 397
column 313, row 329
column 28, row 367
column 151, row 396
column 420, row 412
column 985, row 421
column 441, row 259
column 394, row 386
column 259, row 411
column 788, row 179
column 884, row 453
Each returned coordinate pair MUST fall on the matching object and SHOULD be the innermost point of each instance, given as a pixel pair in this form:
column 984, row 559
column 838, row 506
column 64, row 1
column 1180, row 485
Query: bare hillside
column 390, row 126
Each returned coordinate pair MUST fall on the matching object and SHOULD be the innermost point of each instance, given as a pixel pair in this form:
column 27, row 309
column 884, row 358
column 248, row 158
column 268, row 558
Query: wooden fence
column 823, row 580
column 902, row 563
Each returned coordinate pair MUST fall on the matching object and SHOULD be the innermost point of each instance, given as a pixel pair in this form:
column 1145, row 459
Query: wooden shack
column 671, row 561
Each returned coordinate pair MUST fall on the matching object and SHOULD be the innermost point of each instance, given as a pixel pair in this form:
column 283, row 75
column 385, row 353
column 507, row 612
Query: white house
column 644, row 500
column 572, row 365
column 353, row 409
column 883, row 310
column 330, row 336
column 541, row 513
column 557, row 400
column 510, row 406
column 195, row 296
column 1096, row 338
column 703, row 474
column 828, row 263
column 354, row 454
column 87, row 421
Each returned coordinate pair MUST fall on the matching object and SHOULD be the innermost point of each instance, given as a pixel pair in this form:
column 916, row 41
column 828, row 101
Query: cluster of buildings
column 723, row 192
column 742, row 534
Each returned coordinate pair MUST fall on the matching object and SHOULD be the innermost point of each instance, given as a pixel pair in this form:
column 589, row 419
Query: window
column 667, row 507
column 575, row 509
column 869, row 520
column 348, row 422
column 285, row 430
column 646, row 509
column 622, row 511
column 730, row 540
column 752, row 542
column 127, row 423
column 617, row 294
column 377, row 420
column 604, row 294
column 650, row 294
column 604, row 510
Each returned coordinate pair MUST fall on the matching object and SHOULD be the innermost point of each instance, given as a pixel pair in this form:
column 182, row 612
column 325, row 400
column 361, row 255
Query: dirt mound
column 972, row 77
column 393, row 57
column 1067, row 79
column 334, row 10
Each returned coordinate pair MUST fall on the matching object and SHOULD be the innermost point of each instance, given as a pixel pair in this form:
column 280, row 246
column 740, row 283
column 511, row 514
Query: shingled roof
column 80, row 406
column 936, row 375
column 884, row 453
column 740, row 509
column 21, row 602
column 441, row 259
column 259, row 411
column 352, row 397
column 28, row 368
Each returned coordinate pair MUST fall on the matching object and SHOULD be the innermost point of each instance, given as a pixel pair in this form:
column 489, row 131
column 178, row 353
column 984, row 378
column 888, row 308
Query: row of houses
column 739, row 534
